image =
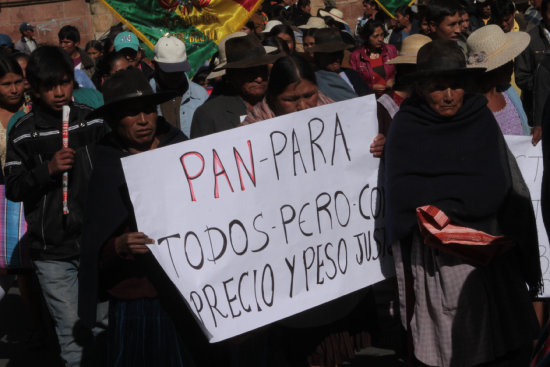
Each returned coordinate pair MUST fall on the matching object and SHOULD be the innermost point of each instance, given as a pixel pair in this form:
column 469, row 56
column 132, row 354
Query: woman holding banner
column 115, row 261
column 293, row 87
column 460, row 221
column 330, row 334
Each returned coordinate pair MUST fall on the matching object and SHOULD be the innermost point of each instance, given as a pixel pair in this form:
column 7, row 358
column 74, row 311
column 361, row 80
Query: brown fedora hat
column 328, row 40
column 244, row 52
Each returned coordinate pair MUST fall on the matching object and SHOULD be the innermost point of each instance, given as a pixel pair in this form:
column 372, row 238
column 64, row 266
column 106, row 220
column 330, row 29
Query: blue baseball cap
column 126, row 40
column 5, row 40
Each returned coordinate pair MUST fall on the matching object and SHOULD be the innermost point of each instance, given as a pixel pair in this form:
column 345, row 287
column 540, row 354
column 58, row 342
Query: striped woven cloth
column 13, row 254
column 467, row 243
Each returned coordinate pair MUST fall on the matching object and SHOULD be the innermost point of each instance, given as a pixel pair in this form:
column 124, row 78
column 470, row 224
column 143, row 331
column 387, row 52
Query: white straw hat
column 315, row 23
column 269, row 25
column 491, row 48
column 335, row 14
column 409, row 49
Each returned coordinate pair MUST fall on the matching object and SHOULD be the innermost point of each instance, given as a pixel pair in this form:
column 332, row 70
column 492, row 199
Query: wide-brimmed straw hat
column 244, row 52
column 269, row 25
column 443, row 58
column 409, row 49
column 328, row 40
column 335, row 14
column 314, row 23
column 491, row 48
column 128, row 86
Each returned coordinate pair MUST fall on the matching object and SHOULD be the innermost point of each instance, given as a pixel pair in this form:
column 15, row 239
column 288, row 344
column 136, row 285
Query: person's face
column 329, row 61
column 11, row 90
column 402, row 21
column 137, row 125
column 94, row 54
column 376, row 39
column 69, row 46
column 176, row 80
column 251, row 82
column 486, row 11
column 57, row 96
column 368, row 9
column 307, row 8
column 448, row 29
column 120, row 64
column 285, row 37
column 29, row 33
column 309, row 41
column 425, row 26
column 506, row 22
column 245, row 29
column 296, row 97
column 444, row 96
column 465, row 25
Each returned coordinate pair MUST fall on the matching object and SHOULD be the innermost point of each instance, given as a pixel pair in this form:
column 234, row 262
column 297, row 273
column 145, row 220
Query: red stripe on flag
column 247, row 4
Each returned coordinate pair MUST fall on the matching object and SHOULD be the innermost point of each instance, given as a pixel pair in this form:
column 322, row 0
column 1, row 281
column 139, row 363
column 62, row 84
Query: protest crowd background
column 451, row 80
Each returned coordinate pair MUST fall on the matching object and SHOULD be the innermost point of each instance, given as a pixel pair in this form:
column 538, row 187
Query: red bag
column 469, row 244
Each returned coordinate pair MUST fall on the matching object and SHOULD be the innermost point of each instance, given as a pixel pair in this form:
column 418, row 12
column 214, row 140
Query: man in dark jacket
column 35, row 163
column 246, row 84
column 526, row 68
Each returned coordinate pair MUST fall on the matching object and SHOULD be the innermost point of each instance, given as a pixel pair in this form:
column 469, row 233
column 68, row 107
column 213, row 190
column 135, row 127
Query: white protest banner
column 264, row 221
column 529, row 160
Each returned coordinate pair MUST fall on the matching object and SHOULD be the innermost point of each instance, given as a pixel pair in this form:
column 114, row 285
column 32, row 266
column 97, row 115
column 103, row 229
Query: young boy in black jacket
column 35, row 163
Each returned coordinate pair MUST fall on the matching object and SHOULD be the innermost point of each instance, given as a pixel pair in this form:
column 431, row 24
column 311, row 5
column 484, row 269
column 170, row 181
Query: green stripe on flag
column 150, row 21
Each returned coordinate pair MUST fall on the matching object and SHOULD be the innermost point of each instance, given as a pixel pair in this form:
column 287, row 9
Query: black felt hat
column 128, row 86
column 329, row 40
column 443, row 58
column 244, row 52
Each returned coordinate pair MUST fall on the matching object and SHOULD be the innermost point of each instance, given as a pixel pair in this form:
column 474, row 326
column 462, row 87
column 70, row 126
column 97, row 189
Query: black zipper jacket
column 31, row 144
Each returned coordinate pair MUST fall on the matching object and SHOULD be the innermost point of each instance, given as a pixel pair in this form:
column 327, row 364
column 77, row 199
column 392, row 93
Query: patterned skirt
column 14, row 254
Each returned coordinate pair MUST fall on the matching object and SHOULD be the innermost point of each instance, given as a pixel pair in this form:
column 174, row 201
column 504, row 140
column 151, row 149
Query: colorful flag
column 201, row 24
column 390, row 6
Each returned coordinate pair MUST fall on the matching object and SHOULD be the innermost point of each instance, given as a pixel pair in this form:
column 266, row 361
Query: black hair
column 47, row 67
column 287, row 70
column 368, row 29
column 499, row 78
column 97, row 45
column 439, row 9
column 21, row 55
column 502, row 8
column 274, row 41
column 405, row 10
column 128, row 52
column 106, row 63
column 372, row 3
column 70, row 33
column 9, row 65
column 303, row 3
column 310, row 32
column 283, row 28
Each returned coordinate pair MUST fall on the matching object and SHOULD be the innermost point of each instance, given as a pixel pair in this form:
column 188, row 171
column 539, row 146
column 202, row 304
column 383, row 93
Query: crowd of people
column 450, row 77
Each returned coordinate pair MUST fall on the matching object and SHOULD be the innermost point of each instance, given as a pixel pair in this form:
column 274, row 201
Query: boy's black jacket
column 31, row 144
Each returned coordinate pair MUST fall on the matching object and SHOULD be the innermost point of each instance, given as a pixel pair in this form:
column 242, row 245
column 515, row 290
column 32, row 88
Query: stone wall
column 48, row 18
column 93, row 19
